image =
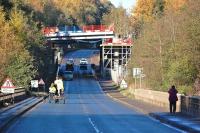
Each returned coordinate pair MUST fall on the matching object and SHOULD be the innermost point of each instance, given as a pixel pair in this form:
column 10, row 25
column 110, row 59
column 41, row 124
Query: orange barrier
column 49, row 30
column 88, row 28
column 97, row 28
column 118, row 41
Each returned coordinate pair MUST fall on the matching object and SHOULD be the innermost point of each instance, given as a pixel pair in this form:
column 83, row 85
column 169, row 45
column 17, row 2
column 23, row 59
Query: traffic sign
column 8, row 86
column 137, row 71
column 41, row 82
column 143, row 75
column 123, row 84
column 34, row 83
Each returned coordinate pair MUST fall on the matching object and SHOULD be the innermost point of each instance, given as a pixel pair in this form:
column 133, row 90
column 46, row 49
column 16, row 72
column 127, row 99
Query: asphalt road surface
column 87, row 110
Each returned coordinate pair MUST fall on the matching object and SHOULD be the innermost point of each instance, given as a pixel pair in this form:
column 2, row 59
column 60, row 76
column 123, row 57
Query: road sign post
column 138, row 73
column 135, row 83
column 41, row 84
column 140, row 81
column 123, row 84
column 34, row 85
column 8, row 87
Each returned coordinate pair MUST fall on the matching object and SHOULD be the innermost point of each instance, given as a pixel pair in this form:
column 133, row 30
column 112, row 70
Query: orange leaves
column 10, row 45
column 175, row 4
column 38, row 5
column 143, row 10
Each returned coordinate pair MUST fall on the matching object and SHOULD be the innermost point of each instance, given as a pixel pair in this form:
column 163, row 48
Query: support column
column 126, row 60
column 111, row 63
column 122, row 74
column 102, row 67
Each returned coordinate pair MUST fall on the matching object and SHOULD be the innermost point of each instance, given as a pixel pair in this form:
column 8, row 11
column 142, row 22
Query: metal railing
column 63, row 30
column 18, row 92
column 190, row 105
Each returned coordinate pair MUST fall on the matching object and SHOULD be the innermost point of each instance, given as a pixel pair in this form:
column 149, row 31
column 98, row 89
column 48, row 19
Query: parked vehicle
column 83, row 61
column 83, row 69
column 70, row 65
column 70, row 61
column 68, row 75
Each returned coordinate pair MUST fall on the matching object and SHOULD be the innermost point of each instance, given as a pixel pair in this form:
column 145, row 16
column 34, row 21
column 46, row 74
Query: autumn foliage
column 167, row 43
column 23, row 53
column 165, row 32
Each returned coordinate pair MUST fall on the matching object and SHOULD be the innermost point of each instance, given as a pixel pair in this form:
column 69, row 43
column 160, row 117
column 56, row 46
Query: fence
column 76, row 29
column 190, row 105
column 18, row 92
column 185, row 105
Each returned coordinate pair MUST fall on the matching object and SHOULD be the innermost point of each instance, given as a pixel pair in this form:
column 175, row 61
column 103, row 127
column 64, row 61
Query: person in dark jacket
column 172, row 99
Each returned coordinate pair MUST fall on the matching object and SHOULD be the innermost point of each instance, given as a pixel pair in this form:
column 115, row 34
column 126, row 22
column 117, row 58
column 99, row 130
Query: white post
column 140, row 81
column 135, row 82
column 102, row 67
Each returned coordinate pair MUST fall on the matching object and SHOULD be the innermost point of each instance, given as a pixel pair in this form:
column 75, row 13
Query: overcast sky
column 128, row 4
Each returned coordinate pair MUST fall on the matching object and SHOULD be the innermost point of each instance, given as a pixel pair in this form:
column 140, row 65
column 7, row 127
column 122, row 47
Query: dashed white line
column 142, row 111
column 94, row 126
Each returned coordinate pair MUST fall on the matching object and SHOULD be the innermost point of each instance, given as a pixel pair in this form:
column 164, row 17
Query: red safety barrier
column 108, row 40
column 118, row 41
column 88, row 28
column 97, row 28
column 49, row 30
column 128, row 41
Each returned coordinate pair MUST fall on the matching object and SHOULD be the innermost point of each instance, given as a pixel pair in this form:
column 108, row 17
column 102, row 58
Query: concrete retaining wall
column 154, row 97
column 186, row 105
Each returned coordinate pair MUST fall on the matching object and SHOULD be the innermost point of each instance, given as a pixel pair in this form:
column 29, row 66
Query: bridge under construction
column 114, row 52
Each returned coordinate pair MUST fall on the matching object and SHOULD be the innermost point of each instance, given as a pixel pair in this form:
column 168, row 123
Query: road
column 87, row 110
column 90, row 55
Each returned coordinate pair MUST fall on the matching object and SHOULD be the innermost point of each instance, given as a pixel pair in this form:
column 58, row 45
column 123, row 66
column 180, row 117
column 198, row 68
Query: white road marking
column 142, row 111
column 138, row 110
column 89, row 119
column 94, row 126
column 100, row 88
column 179, row 130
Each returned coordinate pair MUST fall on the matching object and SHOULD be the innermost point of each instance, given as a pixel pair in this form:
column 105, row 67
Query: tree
column 144, row 10
column 158, row 8
column 175, row 5
column 120, row 19
column 21, row 41
column 169, row 50
column 14, row 55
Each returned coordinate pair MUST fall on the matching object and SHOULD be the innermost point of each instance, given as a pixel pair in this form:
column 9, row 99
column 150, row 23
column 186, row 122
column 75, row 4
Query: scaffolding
column 114, row 60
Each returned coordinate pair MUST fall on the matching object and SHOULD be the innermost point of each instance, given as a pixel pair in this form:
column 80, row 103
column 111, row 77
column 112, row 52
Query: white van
column 83, row 61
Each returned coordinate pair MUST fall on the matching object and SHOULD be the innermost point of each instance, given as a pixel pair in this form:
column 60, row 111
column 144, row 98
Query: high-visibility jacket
column 52, row 89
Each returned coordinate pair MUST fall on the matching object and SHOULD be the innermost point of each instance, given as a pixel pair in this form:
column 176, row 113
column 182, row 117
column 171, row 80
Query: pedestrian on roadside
column 52, row 92
column 56, row 93
column 172, row 99
column 59, row 84
column 52, row 89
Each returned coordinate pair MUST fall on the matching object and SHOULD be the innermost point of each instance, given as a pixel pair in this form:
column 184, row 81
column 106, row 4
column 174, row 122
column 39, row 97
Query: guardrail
column 190, row 105
column 50, row 31
column 18, row 92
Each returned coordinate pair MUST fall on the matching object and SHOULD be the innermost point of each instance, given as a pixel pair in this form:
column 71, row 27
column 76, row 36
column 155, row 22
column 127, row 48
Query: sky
column 128, row 4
